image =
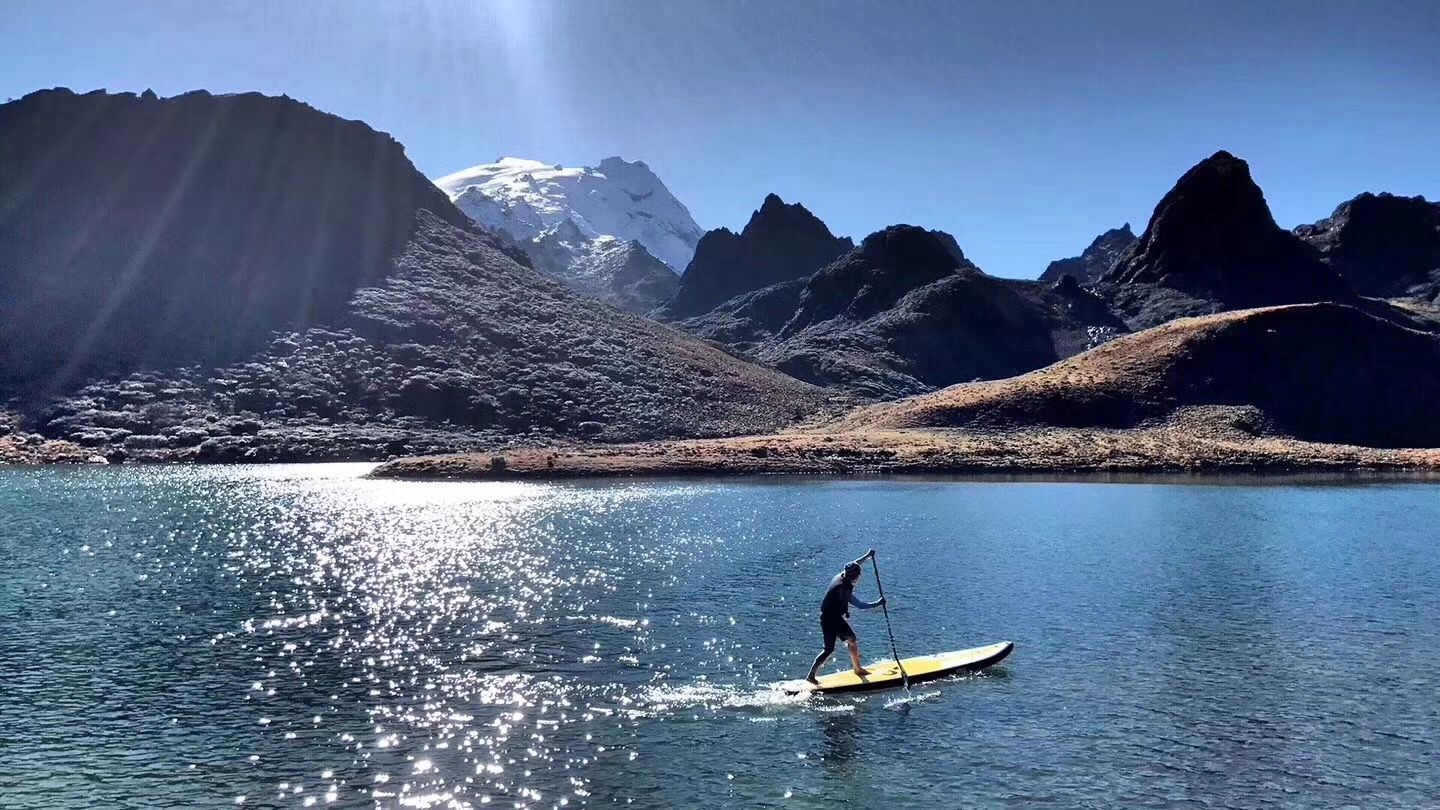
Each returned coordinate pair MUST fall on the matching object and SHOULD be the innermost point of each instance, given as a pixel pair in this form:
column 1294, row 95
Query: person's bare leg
column 855, row 657
column 819, row 662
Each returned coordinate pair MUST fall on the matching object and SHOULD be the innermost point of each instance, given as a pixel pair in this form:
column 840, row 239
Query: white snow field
column 618, row 198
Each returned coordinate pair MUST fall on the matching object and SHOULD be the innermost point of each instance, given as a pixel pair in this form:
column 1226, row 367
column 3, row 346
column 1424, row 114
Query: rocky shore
column 1196, row 447
column 20, row 447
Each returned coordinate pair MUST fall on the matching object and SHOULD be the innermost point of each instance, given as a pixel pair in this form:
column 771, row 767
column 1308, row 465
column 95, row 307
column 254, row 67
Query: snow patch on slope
column 618, row 198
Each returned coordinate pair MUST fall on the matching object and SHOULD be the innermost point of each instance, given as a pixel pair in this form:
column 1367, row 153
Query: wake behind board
column 886, row 675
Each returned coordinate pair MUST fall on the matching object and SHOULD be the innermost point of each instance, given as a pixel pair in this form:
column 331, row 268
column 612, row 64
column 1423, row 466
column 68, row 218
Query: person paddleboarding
column 835, row 610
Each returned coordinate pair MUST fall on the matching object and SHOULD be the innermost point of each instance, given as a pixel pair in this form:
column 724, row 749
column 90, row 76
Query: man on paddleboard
column 835, row 609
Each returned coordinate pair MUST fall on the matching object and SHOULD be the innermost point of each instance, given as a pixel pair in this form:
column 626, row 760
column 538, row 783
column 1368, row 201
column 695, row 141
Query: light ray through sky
column 1023, row 128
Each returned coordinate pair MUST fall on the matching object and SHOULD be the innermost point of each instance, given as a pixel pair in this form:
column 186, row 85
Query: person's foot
column 862, row 672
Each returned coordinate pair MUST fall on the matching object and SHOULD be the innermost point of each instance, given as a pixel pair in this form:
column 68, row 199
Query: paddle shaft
column 888, row 629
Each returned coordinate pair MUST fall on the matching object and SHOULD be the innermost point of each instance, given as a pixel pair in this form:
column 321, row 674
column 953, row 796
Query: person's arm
column 857, row 602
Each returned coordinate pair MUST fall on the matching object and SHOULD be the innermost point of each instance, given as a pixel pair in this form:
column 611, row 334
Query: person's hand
column 870, row 554
column 882, row 602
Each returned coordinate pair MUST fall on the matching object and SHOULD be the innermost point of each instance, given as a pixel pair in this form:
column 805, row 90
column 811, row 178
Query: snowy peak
column 618, row 198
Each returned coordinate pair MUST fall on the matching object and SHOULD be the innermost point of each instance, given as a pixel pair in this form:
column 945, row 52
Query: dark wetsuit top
column 835, row 608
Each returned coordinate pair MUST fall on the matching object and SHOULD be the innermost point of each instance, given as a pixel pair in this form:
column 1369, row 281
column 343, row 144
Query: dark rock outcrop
column 1213, row 242
column 901, row 314
column 781, row 242
column 1383, row 245
column 746, row 321
column 872, row 278
column 423, row 334
column 1095, row 260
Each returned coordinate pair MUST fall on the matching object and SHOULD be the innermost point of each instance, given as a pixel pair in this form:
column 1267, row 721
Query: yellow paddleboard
column 885, row 674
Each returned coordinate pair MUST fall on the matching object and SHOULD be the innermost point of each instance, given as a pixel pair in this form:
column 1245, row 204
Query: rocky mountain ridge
column 904, row 313
column 164, row 312
column 401, row 328
column 781, row 242
column 1213, row 245
column 1095, row 261
column 1381, row 244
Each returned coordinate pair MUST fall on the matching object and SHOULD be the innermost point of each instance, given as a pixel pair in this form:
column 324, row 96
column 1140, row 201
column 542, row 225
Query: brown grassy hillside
column 1318, row 372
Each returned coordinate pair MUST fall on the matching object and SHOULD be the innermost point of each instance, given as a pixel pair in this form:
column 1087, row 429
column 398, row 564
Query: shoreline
column 1163, row 450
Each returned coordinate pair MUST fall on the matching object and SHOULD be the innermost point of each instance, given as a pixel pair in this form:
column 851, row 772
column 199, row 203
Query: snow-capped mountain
column 623, row 273
column 618, row 198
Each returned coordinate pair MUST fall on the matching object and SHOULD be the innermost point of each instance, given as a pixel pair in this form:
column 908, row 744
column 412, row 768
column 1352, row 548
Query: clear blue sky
column 1024, row 128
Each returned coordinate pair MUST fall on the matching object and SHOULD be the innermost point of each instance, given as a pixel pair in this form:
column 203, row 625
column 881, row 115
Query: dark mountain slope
column 137, row 231
column 781, row 242
column 904, row 313
column 1212, row 245
column 266, row 315
column 1383, row 245
column 1373, row 383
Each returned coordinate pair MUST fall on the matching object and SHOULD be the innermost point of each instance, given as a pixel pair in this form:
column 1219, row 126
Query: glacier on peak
column 618, row 198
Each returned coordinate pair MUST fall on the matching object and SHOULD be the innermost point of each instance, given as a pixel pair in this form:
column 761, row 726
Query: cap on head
column 852, row 571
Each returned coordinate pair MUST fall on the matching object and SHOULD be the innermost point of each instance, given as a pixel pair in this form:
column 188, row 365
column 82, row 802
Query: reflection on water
column 295, row 636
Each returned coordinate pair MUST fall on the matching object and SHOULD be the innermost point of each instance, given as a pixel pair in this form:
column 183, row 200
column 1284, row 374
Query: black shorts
column 835, row 627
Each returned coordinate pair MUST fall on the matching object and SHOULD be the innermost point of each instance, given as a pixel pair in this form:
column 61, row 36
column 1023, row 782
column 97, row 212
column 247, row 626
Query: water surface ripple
column 292, row 636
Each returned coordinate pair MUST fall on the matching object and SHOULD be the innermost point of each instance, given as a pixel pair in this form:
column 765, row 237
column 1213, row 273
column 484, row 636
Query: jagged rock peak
column 1212, row 236
column 1382, row 244
column 776, row 215
column 1220, row 178
column 1095, row 260
column 781, row 242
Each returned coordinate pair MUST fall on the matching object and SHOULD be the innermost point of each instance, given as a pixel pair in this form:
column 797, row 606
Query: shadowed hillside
column 1212, row 245
column 137, row 231
column 276, row 283
column 1318, row 372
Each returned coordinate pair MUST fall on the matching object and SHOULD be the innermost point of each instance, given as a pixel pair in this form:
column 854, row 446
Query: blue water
column 294, row 636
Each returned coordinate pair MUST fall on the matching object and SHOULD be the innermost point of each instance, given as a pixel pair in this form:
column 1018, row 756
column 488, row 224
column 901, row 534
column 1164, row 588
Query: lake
column 289, row 636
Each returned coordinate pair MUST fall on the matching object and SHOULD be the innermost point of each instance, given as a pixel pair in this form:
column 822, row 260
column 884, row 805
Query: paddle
column 905, row 679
